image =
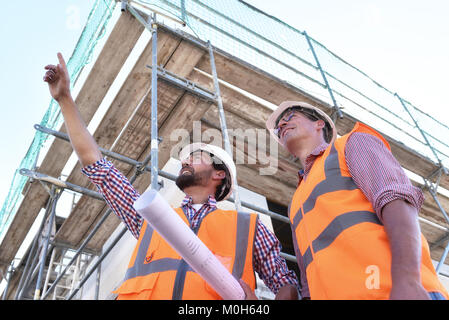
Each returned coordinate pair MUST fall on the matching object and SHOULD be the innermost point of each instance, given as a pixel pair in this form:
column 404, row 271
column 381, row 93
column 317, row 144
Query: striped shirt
column 376, row 173
column 120, row 195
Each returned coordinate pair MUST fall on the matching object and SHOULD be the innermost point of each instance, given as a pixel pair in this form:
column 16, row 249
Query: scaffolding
column 190, row 88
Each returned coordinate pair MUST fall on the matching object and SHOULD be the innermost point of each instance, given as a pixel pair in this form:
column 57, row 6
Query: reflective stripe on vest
column 148, row 267
column 144, row 266
column 241, row 245
column 333, row 182
column 337, row 226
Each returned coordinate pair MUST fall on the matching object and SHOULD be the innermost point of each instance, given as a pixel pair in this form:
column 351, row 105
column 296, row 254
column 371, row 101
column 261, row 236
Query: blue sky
column 32, row 32
column 402, row 44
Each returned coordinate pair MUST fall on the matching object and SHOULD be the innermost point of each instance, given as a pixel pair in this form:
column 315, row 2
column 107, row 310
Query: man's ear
column 219, row 174
column 320, row 124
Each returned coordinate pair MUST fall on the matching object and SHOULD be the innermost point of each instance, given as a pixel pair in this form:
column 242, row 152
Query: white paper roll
column 158, row 213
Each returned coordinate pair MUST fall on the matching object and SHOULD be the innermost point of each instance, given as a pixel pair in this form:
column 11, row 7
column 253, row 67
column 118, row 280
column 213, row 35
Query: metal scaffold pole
column 97, row 263
column 47, row 278
column 29, row 265
column 428, row 183
column 224, row 128
column 422, row 133
column 154, row 131
column 152, row 27
column 8, row 280
column 443, row 258
column 97, row 282
column 326, row 83
column 140, row 168
column 433, row 192
column 54, row 195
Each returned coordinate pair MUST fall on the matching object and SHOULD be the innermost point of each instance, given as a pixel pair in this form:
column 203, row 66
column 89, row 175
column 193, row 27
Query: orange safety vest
column 344, row 247
column 157, row 272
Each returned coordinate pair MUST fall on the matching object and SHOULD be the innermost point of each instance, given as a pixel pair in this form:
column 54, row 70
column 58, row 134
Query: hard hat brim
column 218, row 153
column 271, row 121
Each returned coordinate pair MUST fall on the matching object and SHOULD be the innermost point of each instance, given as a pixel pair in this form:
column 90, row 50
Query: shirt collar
column 311, row 159
column 211, row 202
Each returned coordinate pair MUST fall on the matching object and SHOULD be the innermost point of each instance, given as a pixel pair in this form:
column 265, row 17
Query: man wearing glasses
column 354, row 213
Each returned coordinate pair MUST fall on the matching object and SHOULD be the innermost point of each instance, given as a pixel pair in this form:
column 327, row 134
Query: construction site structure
column 190, row 78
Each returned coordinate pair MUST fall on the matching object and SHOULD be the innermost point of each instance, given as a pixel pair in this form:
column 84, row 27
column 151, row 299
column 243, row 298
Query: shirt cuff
column 97, row 171
column 409, row 193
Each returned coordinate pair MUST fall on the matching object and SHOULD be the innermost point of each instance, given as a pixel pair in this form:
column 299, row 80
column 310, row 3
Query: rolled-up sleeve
column 117, row 191
column 378, row 174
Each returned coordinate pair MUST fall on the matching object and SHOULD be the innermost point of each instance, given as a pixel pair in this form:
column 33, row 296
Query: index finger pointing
column 61, row 60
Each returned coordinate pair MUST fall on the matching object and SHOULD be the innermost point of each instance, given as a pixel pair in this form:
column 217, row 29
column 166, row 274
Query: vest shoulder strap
column 363, row 128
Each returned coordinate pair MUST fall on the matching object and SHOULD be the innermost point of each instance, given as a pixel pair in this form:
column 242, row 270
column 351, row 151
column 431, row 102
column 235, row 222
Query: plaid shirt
column 120, row 196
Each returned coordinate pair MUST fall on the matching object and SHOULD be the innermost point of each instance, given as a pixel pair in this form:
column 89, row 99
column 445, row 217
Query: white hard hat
column 228, row 186
column 273, row 119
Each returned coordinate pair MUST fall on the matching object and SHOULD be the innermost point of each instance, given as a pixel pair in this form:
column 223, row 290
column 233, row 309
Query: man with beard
column 239, row 240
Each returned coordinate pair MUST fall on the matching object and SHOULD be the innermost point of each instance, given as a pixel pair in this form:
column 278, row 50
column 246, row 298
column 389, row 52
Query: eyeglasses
column 288, row 114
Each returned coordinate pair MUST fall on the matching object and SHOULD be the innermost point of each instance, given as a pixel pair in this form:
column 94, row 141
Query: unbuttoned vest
column 344, row 247
column 157, row 272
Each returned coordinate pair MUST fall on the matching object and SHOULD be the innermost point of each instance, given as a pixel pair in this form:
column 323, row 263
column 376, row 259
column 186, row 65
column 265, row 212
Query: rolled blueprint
column 158, row 213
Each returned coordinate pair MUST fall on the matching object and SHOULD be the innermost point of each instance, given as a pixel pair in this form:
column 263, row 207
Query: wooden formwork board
column 273, row 90
column 253, row 113
column 431, row 211
column 253, row 152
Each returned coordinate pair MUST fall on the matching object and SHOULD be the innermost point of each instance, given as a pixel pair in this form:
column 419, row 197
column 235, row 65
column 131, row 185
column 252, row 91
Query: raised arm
column 82, row 141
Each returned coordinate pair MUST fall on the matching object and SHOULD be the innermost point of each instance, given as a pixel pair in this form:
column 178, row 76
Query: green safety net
column 93, row 31
column 273, row 46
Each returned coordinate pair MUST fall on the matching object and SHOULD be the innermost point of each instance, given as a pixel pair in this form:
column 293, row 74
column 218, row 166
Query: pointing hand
column 58, row 79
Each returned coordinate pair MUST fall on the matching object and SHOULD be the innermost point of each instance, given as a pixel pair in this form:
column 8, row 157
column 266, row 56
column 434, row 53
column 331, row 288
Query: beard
column 192, row 178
